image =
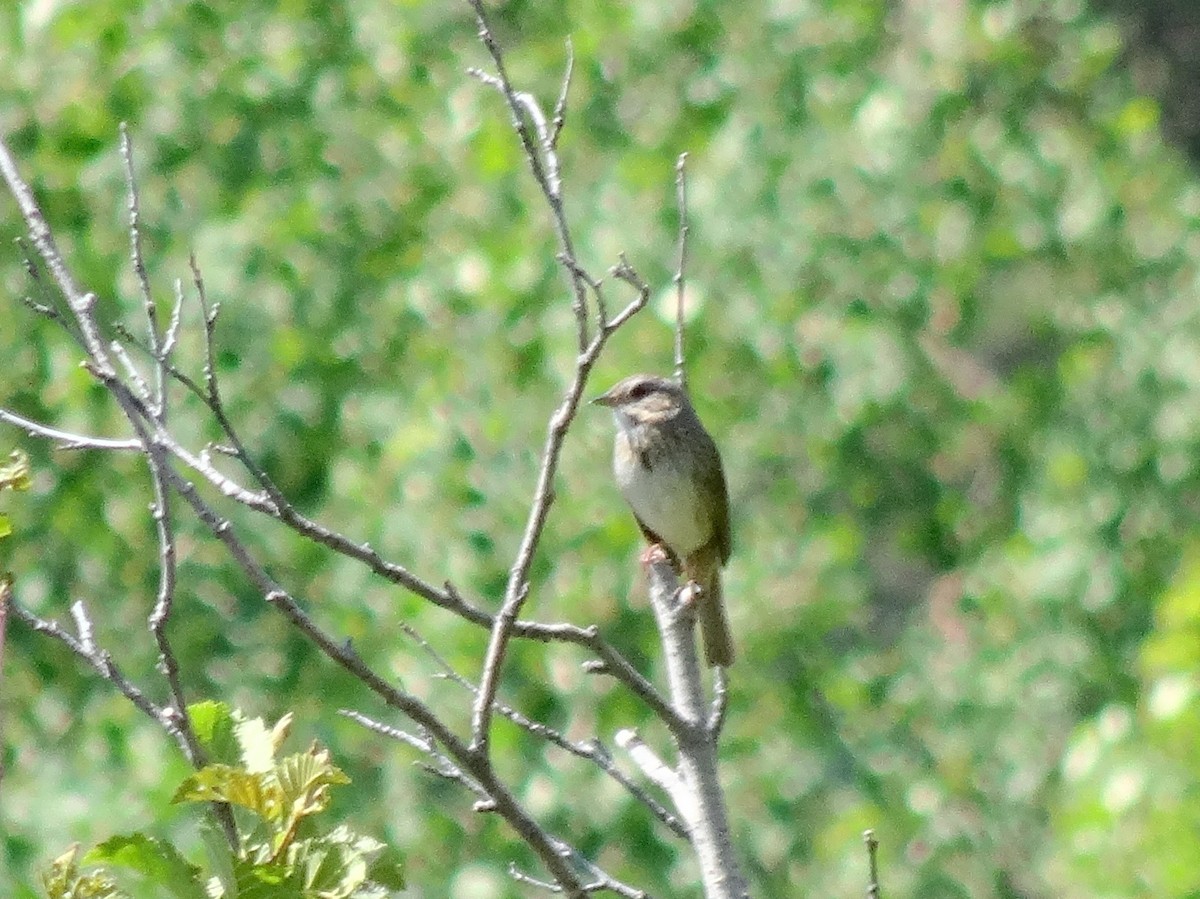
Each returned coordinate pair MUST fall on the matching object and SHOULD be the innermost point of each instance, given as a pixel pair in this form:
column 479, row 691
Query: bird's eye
column 640, row 390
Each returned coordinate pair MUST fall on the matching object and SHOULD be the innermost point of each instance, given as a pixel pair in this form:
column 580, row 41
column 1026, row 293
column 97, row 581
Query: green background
column 945, row 334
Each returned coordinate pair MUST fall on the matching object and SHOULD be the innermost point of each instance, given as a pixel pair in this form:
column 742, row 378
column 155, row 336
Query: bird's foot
column 655, row 553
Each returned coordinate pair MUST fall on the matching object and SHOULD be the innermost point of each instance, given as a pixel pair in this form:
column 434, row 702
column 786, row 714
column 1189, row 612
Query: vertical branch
column 153, row 333
column 165, row 602
column 873, row 890
column 517, row 590
column 160, row 345
column 560, row 108
column 696, row 740
column 540, row 146
column 146, row 414
column 681, row 269
column 542, row 155
column 5, row 595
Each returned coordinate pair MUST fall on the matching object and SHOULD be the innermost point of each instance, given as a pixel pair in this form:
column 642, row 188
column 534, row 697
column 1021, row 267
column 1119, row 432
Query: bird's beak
column 604, row 399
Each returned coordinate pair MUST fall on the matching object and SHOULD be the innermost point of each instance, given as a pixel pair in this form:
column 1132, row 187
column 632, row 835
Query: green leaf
column 343, row 865
column 156, row 862
column 213, row 723
column 305, row 778
column 221, row 861
column 387, row 869
column 64, row 880
column 257, row 880
column 224, row 783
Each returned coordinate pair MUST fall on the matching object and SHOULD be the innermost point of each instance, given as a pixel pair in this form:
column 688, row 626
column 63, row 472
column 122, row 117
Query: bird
column 669, row 470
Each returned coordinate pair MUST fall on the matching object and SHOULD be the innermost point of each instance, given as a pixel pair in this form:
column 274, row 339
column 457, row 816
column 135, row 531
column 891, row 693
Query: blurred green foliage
column 946, row 334
column 281, row 853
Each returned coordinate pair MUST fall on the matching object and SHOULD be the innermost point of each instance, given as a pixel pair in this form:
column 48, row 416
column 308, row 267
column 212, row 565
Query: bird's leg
column 657, row 551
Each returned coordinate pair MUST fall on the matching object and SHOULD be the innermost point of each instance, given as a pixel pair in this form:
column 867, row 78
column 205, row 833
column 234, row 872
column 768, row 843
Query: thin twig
column 84, row 647
column 596, row 285
column 542, row 156
column 164, row 603
column 560, row 108
column 79, row 302
column 51, row 308
column 443, row 767
column 518, row 583
column 474, row 763
column 5, row 596
column 140, row 386
column 681, row 270
column 660, row 773
column 603, row 885
column 66, row 439
column 213, row 393
column 623, row 271
column 138, row 259
column 873, row 889
column 592, row 751
column 172, row 335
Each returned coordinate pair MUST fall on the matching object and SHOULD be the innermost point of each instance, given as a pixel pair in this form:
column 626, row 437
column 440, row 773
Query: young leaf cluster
column 281, row 851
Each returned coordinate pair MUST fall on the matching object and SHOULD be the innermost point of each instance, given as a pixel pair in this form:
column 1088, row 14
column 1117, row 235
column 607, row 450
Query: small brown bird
column 669, row 471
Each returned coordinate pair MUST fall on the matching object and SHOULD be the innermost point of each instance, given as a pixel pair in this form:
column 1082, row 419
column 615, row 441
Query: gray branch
column 696, row 740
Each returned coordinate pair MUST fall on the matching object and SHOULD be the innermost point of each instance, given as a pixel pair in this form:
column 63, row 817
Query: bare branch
column 560, row 108
column 660, row 773
column 138, row 259
column 518, row 583
column 696, row 741
column 623, row 271
column 873, row 890
column 418, row 743
column 542, row 156
column 521, row 877
column 611, row 663
column 135, row 377
column 474, row 763
column 680, row 271
column 172, row 335
column 52, row 308
column 80, row 303
column 593, row 751
column 66, row 439
column 442, row 765
column 546, row 173
column 165, row 602
column 176, row 724
column 602, row 885
column 84, row 647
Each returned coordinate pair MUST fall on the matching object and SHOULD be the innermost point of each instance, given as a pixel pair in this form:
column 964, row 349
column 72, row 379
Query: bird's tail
column 714, row 626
